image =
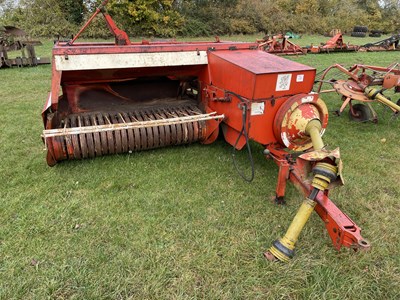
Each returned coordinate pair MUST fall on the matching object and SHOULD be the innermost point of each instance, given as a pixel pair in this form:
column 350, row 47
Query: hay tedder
column 360, row 84
column 121, row 97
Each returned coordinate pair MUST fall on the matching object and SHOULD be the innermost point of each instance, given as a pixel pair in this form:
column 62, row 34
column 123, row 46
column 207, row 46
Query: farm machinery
column 365, row 84
column 389, row 44
column 11, row 39
column 280, row 45
column 335, row 44
column 109, row 98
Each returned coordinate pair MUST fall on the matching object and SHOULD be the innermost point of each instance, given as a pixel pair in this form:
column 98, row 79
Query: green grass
column 179, row 223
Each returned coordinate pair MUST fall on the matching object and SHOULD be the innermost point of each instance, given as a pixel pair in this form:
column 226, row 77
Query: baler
column 121, row 97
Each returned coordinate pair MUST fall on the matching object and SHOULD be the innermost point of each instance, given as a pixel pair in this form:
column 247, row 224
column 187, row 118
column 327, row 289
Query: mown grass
column 179, row 223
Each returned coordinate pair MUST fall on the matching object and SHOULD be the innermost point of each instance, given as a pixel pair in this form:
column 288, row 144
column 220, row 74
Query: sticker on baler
column 257, row 108
column 283, row 82
column 300, row 78
column 307, row 99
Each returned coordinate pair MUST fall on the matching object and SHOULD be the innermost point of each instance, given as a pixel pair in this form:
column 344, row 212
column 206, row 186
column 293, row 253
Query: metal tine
column 94, row 120
column 45, row 143
column 183, row 112
column 65, row 126
column 193, row 112
column 171, row 114
column 108, row 120
column 122, row 118
column 132, row 116
column 147, row 118
column 157, row 114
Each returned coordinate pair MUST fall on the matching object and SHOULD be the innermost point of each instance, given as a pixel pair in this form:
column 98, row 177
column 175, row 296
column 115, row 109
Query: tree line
column 170, row 18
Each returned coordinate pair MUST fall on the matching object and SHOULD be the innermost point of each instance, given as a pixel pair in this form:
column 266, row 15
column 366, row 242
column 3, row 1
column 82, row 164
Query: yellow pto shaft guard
column 324, row 173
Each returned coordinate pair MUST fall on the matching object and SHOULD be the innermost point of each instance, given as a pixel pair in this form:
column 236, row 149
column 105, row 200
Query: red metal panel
column 146, row 47
column 254, row 74
column 261, row 129
column 259, row 78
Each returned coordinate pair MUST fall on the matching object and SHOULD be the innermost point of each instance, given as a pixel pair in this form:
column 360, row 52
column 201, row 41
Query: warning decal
column 283, row 82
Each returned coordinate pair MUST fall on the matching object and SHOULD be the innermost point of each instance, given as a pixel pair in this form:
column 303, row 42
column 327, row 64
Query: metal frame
column 342, row 230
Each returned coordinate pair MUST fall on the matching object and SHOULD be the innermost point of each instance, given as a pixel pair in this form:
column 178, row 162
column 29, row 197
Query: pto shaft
column 324, row 173
column 283, row 249
column 377, row 95
column 313, row 129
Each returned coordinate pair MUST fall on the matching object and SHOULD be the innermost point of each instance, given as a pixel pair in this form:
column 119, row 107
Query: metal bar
column 327, row 91
column 98, row 10
column 121, row 126
column 342, row 230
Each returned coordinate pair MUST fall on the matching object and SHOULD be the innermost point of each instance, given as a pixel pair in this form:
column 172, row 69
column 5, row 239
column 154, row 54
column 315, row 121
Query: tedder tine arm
column 339, row 67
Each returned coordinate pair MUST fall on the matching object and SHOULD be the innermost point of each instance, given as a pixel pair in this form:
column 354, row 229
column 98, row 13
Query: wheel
column 358, row 34
column 375, row 34
column 360, row 29
column 361, row 113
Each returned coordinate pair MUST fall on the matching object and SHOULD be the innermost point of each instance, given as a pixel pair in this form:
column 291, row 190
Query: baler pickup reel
column 360, row 85
column 109, row 98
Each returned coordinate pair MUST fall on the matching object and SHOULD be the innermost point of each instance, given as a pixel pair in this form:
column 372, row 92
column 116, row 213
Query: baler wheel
column 360, row 113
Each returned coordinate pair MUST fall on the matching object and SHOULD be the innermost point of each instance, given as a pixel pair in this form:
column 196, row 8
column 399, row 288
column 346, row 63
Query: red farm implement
column 389, row 44
column 335, row 44
column 280, row 45
column 365, row 84
column 121, row 97
column 13, row 39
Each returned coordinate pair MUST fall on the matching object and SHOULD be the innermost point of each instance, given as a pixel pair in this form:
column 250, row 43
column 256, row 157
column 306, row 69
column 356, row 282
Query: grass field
column 179, row 223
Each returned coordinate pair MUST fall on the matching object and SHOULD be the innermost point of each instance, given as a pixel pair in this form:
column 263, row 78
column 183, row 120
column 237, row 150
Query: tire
column 358, row 34
column 376, row 34
column 376, row 31
column 363, row 113
column 360, row 29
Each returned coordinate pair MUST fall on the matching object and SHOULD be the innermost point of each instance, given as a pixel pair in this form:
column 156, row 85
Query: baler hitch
column 326, row 169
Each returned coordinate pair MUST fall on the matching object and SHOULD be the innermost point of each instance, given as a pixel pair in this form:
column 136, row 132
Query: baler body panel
column 264, row 80
column 255, row 74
